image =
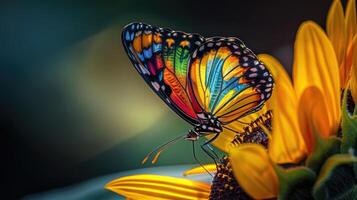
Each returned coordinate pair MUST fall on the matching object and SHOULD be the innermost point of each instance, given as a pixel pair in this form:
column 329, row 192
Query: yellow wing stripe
column 224, row 100
column 196, row 81
column 231, row 63
column 239, row 112
column 246, row 96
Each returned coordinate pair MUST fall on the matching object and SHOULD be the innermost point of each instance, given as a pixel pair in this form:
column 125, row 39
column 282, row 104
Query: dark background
column 72, row 107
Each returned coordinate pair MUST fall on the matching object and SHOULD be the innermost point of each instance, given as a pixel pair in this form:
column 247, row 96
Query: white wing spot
column 253, row 69
column 194, row 54
column 155, row 85
column 143, row 69
column 201, row 116
column 252, row 75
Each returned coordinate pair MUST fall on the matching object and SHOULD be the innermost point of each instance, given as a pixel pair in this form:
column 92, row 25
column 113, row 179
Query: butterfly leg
column 203, row 147
column 196, row 159
column 210, row 152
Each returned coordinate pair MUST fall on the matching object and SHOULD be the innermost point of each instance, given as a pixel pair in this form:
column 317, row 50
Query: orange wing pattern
column 161, row 56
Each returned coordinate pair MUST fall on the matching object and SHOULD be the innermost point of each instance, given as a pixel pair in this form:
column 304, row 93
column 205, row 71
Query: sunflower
column 312, row 135
column 307, row 114
column 341, row 30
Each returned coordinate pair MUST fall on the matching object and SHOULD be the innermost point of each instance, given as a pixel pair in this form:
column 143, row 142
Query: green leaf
column 324, row 148
column 349, row 126
column 337, row 179
column 295, row 183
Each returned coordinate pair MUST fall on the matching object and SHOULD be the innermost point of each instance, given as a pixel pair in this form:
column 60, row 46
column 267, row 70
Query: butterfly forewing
column 162, row 56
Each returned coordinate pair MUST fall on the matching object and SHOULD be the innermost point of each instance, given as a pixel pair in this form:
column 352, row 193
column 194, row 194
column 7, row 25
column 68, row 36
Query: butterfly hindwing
column 162, row 56
column 228, row 80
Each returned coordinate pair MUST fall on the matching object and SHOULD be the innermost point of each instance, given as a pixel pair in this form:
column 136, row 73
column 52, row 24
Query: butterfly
column 209, row 82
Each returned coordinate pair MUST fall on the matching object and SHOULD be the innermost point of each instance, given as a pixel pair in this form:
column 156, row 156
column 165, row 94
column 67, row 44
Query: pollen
column 254, row 132
column 224, row 185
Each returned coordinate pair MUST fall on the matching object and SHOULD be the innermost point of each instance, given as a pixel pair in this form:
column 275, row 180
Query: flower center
column 224, row 185
column 255, row 131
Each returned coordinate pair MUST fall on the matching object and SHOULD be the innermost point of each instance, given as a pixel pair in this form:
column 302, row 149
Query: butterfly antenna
column 161, row 148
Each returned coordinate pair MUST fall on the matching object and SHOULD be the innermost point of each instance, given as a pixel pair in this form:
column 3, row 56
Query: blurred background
column 72, row 106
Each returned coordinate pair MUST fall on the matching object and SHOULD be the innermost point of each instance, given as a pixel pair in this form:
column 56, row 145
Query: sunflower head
column 224, row 185
column 255, row 131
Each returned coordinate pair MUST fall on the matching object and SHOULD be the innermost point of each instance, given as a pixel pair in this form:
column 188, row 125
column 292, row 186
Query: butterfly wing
column 228, row 80
column 161, row 56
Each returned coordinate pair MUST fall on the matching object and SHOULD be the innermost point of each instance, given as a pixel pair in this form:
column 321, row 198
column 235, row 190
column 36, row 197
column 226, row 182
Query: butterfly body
column 209, row 82
column 209, row 124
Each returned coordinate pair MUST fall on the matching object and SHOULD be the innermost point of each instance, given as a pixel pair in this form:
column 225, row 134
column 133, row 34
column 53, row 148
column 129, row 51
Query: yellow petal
column 315, row 64
column 223, row 140
column 147, row 186
column 354, row 70
column 254, row 171
column 313, row 120
column 336, row 30
column 345, row 71
column 351, row 21
column 201, row 170
column 284, row 146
